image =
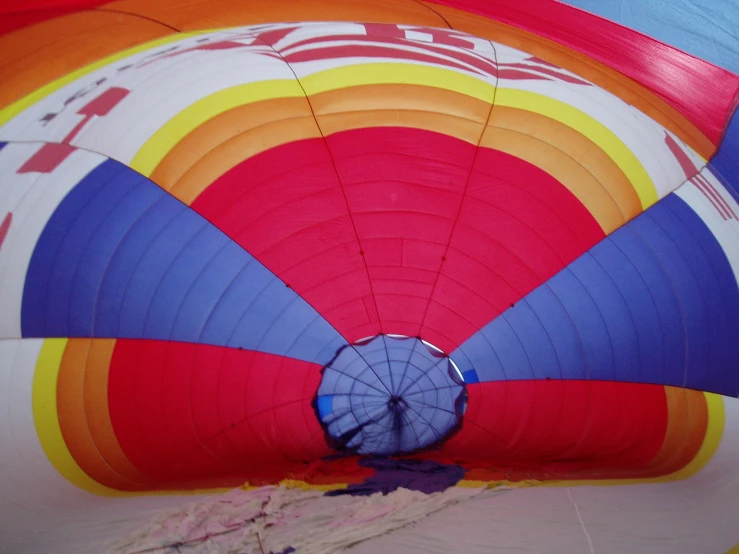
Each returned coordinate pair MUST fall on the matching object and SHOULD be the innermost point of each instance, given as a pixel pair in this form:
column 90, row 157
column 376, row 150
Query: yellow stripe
column 46, row 418
column 162, row 141
column 52, row 441
column 152, row 152
column 397, row 73
column 298, row 484
column 591, row 128
column 9, row 112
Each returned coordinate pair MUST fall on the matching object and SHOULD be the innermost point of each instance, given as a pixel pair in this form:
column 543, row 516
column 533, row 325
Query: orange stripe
column 686, row 430
column 601, row 75
column 190, row 15
column 687, row 423
column 194, row 15
column 226, row 140
column 98, row 413
column 82, row 397
column 54, row 48
column 419, row 107
column 570, row 157
column 49, row 50
column 229, row 138
column 233, row 136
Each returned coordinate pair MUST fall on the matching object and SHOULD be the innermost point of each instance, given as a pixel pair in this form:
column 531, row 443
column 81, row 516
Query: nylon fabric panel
column 54, row 48
column 305, row 234
column 388, row 395
column 517, row 226
column 193, row 14
column 229, row 138
column 403, row 186
column 405, row 204
column 84, row 416
column 585, row 429
column 707, row 101
column 694, row 26
column 726, row 161
column 35, row 11
column 549, row 51
column 153, row 268
column 191, row 415
column 654, row 302
column 569, row 156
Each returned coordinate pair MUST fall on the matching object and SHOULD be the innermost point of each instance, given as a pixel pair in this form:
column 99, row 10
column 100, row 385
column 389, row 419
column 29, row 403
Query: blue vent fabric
column 389, row 395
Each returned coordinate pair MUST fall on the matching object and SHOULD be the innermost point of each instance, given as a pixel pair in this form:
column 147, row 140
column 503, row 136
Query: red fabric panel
column 286, row 207
column 16, row 15
column 517, row 227
column 562, row 427
column 186, row 413
column 393, row 35
column 404, row 187
column 5, row 227
column 47, row 158
column 704, row 93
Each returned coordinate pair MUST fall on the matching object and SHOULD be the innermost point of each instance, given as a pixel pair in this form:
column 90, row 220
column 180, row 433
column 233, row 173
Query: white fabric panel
column 409, row 47
column 28, row 125
column 162, row 82
column 640, row 133
column 696, row 159
column 726, row 231
column 163, row 89
column 307, row 31
column 508, row 54
column 390, row 47
column 32, row 199
column 40, row 511
column 304, row 69
column 419, row 36
column 31, row 490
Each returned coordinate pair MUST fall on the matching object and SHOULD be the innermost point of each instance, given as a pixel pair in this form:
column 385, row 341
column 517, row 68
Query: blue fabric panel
column 586, row 321
column 662, row 294
column 122, row 258
column 641, row 309
column 325, row 405
column 536, row 342
column 655, row 302
column 40, row 295
column 708, row 29
column 388, row 395
column 567, row 359
column 470, row 377
column 725, row 164
column 613, row 321
column 2, row 145
column 718, row 288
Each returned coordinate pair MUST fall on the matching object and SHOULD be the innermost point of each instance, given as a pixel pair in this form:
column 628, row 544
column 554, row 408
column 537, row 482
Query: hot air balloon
column 483, row 255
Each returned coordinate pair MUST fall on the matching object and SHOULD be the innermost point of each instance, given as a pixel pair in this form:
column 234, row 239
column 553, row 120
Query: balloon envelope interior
column 275, row 241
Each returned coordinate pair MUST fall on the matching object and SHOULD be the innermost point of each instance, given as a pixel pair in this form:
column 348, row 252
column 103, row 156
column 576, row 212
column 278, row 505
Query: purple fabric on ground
column 416, row 475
